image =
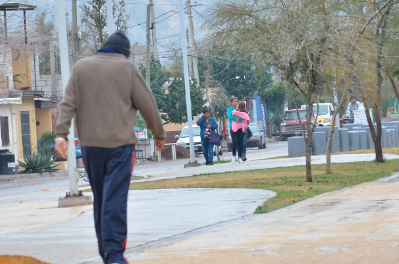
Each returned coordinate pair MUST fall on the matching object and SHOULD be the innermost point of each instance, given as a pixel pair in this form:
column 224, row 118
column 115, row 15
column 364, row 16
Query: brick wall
column 43, row 82
column 3, row 85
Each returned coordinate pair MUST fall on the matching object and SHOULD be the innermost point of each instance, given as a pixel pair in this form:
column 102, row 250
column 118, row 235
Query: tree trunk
column 394, row 87
column 375, row 136
column 330, row 135
column 308, row 128
column 377, row 100
column 267, row 117
column 248, row 102
column 309, row 159
column 270, row 130
column 270, row 124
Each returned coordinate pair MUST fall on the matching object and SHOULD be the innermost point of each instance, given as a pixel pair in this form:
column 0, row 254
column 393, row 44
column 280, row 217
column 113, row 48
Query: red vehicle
column 290, row 126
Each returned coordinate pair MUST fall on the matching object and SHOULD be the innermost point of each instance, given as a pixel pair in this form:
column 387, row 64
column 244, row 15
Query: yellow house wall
column 178, row 127
column 27, row 105
column 174, row 127
column 22, row 65
column 43, row 116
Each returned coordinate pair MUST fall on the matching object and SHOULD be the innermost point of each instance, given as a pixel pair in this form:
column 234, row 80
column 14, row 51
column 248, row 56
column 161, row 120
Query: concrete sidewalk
column 32, row 225
column 355, row 225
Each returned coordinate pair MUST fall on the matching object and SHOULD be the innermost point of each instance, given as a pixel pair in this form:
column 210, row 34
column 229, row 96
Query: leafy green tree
column 159, row 76
column 175, row 107
column 233, row 70
column 272, row 97
column 172, row 101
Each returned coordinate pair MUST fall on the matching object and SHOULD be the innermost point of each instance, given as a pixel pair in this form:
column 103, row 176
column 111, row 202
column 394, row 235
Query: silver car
column 184, row 141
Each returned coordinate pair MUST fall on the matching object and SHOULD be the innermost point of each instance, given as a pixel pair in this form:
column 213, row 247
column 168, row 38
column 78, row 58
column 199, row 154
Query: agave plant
column 42, row 161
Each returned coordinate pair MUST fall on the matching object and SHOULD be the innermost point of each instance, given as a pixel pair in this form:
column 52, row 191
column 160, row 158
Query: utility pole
column 52, row 68
column 110, row 18
column 187, row 88
column 75, row 32
column 193, row 48
column 154, row 32
column 63, row 43
column 148, row 64
column 190, row 61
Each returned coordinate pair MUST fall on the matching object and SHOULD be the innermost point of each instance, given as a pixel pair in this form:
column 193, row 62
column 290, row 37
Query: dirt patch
column 272, row 140
column 181, row 153
column 389, row 118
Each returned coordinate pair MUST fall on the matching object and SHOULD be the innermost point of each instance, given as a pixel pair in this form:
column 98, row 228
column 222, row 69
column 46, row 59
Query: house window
column 5, row 136
column 25, row 131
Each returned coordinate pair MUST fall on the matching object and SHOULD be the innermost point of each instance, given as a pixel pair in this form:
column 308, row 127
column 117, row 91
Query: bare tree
column 94, row 21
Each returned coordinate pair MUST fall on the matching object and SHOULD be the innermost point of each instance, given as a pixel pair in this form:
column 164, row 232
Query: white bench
column 173, row 151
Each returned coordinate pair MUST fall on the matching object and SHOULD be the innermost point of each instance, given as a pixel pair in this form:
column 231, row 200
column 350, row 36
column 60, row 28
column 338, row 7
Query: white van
column 324, row 116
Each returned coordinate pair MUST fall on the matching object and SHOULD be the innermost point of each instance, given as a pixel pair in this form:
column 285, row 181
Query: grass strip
column 394, row 150
column 289, row 183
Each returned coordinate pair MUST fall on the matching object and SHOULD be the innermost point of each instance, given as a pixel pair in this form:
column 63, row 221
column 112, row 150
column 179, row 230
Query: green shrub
column 42, row 161
column 48, row 139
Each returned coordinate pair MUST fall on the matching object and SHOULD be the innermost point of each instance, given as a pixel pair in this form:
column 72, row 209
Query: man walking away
column 105, row 92
column 353, row 105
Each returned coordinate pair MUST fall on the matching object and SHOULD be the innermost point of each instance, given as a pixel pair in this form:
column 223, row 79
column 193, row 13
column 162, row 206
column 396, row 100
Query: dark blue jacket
column 203, row 124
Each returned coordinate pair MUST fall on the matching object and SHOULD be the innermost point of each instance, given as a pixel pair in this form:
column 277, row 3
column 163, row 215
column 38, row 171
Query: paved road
column 272, row 150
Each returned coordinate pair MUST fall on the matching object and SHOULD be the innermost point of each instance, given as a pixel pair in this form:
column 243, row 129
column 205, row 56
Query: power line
column 175, row 13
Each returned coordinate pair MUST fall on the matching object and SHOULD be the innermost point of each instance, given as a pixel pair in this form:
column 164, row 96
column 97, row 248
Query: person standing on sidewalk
column 240, row 128
column 234, row 136
column 207, row 123
column 105, row 92
column 244, row 145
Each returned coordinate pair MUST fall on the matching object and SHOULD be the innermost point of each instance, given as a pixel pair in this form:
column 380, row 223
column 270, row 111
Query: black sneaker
column 211, row 163
column 207, row 162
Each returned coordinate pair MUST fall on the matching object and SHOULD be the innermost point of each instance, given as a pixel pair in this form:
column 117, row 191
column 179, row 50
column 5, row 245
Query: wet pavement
column 31, row 224
column 355, row 225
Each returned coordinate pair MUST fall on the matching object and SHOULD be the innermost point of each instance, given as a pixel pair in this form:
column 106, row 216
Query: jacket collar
column 110, row 55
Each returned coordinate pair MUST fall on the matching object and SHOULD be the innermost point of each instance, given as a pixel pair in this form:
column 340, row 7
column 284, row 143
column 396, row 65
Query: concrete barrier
column 296, row 147
column 319, row 143
column 335, row 144
column 351, row 126
column 344, row 139
column 370, row 142
column 362, row 139
column 354, row 140
column 384, row 137
column 390, row 135
column 395, row 134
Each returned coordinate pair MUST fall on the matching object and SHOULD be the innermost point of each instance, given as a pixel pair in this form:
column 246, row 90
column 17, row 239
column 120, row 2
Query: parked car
column 258, row 139
column 78, row 150
column 184, row 141
column 290, row 126
column 324, row 116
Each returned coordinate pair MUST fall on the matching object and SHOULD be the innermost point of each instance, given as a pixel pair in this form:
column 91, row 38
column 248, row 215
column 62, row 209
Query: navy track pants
column 109, row 172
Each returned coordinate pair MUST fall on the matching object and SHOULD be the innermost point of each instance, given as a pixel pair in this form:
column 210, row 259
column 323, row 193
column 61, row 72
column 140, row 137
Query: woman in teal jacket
column 207, row 123
column 234, row 136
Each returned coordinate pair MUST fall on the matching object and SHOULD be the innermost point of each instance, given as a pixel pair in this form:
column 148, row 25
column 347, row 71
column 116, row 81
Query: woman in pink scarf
column 239, row 129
